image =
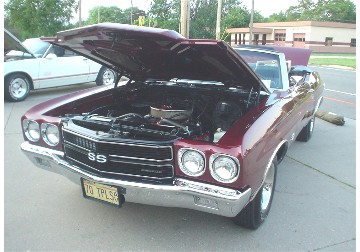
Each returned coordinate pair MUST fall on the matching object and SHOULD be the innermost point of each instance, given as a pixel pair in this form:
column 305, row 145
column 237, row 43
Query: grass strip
column 333, row 61
column 350, row 55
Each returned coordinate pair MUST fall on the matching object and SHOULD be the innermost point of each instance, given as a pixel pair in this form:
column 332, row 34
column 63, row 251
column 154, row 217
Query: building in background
column 330, row 37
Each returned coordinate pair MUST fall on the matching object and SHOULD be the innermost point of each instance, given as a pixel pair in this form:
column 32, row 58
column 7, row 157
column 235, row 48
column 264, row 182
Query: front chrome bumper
column 182, row 193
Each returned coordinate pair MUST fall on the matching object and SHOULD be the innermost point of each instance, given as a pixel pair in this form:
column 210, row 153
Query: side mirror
column 297, row 74
column 51, row 56
column 294, row 80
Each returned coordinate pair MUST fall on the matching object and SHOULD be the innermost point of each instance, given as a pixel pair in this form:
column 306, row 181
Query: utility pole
column 188, row 20
column 251, row 22
column 131, row 12
column 183, row 18
column 218, row 19
column 80, row 22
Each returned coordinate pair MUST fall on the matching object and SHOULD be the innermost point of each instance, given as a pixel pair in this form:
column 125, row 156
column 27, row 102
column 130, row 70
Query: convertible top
column 298, row 56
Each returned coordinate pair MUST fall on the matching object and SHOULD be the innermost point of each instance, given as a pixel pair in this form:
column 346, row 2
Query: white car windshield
column 265, row 65
column 36, row 46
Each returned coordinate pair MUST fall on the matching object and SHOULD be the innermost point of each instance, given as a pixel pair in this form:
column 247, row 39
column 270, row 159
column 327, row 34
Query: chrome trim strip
column 73, row 146
column 142, row 159
column 318, row 104
column 119, row 161
column 162, row 165
column 85, row 152
column 119, row 173
column 181, row 193
column 125, row 144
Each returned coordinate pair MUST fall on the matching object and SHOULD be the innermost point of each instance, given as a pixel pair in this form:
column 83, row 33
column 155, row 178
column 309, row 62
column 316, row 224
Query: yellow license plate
column 101, row 192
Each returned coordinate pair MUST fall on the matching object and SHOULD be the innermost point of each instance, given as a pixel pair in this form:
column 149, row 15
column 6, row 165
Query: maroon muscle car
column 198, row 124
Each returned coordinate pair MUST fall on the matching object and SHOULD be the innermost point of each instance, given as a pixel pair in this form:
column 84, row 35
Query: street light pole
column 251, row 22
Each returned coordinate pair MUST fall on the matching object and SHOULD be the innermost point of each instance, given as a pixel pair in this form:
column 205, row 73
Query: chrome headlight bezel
column 217, row 158
column 202, row 161
column 30, row 127
column 45, row 133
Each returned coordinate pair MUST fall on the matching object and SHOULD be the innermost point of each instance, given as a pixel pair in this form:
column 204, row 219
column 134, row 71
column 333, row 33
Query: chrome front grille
column 137, row 160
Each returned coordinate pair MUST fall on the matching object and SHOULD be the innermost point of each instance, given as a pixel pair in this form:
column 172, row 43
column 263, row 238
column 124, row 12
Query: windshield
column 265, row 65
column 36, row 46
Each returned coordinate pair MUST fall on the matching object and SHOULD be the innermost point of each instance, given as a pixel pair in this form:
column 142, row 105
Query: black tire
column 16, row 87
column 306, row 133
column 255, row 213
column 106, row 76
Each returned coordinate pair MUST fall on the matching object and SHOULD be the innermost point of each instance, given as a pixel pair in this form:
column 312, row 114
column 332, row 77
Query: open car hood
column 12, row 43
column 142, row 53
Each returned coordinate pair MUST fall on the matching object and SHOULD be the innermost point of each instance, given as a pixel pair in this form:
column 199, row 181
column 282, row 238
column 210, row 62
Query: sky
column 265, row 7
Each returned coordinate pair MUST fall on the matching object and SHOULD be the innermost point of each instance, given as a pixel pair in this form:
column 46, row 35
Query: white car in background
column 37, row 64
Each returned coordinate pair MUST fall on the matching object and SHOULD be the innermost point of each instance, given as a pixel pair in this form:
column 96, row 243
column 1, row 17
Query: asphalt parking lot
column 313, row 207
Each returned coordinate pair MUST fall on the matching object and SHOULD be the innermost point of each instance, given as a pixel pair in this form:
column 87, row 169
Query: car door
column 302, row 94
column 94, row 69
column 60, row 67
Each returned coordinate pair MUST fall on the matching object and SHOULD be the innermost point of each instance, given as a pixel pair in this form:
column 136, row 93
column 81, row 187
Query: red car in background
column 198, row 124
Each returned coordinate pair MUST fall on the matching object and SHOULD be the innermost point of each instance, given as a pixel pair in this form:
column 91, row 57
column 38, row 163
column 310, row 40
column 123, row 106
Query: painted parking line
column 337, row 100
column 336, row 91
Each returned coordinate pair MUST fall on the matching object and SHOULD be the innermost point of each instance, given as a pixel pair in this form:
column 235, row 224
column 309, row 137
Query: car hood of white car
column 12, row 43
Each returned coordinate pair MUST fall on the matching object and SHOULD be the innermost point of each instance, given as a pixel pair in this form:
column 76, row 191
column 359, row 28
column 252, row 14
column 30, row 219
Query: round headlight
column 31, row 130
column 50, row 133
column 191, row 162
column 224, row 168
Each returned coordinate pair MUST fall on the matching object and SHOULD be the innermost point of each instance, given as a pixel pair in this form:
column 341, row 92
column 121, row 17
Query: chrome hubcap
column 18, row 88
column 311, row 124
column 267, row 190
column 108, row 77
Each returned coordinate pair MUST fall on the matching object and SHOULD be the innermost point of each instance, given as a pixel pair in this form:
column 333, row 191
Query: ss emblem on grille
column 97, row 157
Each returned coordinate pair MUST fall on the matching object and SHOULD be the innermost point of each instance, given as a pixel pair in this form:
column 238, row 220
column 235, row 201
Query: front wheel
column 16, row 87
column 306, row 133
column 106, row 76
column 255, row 213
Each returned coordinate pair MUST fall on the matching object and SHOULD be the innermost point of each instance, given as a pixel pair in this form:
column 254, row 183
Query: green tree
column 127, row 15
column 165, row 14
column 35, row 18
column 105, row 14
column 112, row 14
column 336, row 11
column 323, row 10
column 203, row 17
column 239, row 17
column 277, row 17
column 303, row 11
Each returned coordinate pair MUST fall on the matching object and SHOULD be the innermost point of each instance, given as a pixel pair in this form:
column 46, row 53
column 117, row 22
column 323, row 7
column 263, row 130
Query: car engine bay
column 166, row 112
